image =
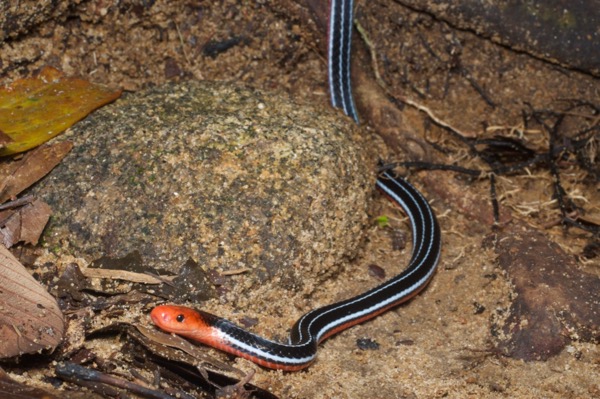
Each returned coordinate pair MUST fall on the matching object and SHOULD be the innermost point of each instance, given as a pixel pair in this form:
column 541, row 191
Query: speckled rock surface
column 225, row 175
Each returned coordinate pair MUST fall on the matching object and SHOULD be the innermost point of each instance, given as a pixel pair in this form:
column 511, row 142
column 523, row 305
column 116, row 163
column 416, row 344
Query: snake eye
column 180, row 318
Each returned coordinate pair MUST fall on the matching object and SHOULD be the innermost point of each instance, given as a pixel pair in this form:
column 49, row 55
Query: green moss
column 382, row 221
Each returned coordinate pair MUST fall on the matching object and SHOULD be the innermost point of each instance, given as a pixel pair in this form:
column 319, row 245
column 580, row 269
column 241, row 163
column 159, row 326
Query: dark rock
column 555, row 302
column 564, row 32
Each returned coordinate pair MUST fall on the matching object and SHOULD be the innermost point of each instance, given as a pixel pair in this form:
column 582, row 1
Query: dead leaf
column 198, row 354
column 11, row 227
column 34, row 110
column 24, row 224
column 30, row 319
column 33, row 220
column 190, row 284
column 71, row 284
column 17, row 175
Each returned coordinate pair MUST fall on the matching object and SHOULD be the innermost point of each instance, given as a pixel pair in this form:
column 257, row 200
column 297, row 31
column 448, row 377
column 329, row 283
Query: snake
column 323, row 322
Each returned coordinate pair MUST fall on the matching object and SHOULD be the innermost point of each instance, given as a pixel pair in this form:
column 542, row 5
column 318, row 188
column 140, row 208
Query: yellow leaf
column 34, row 110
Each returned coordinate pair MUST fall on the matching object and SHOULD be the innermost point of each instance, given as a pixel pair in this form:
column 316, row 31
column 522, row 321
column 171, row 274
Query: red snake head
column 182, row 321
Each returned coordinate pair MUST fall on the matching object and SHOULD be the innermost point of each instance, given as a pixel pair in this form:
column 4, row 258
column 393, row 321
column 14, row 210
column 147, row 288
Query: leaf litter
column 32, row 111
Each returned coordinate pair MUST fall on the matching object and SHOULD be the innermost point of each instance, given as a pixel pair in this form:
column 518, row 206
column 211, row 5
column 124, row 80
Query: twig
column 18, row 202
column 79, row 374
column 187, row 59
column 495, row 205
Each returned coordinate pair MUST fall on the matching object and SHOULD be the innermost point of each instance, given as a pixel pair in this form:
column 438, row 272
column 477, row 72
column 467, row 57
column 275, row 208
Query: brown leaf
column 10, row 228
column 33, row 220
column 24, row 224
column 30, row 319
column 17, row 175
column 198, row 354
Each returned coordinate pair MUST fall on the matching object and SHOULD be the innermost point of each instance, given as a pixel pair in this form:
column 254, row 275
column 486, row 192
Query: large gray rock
column 228, row 176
